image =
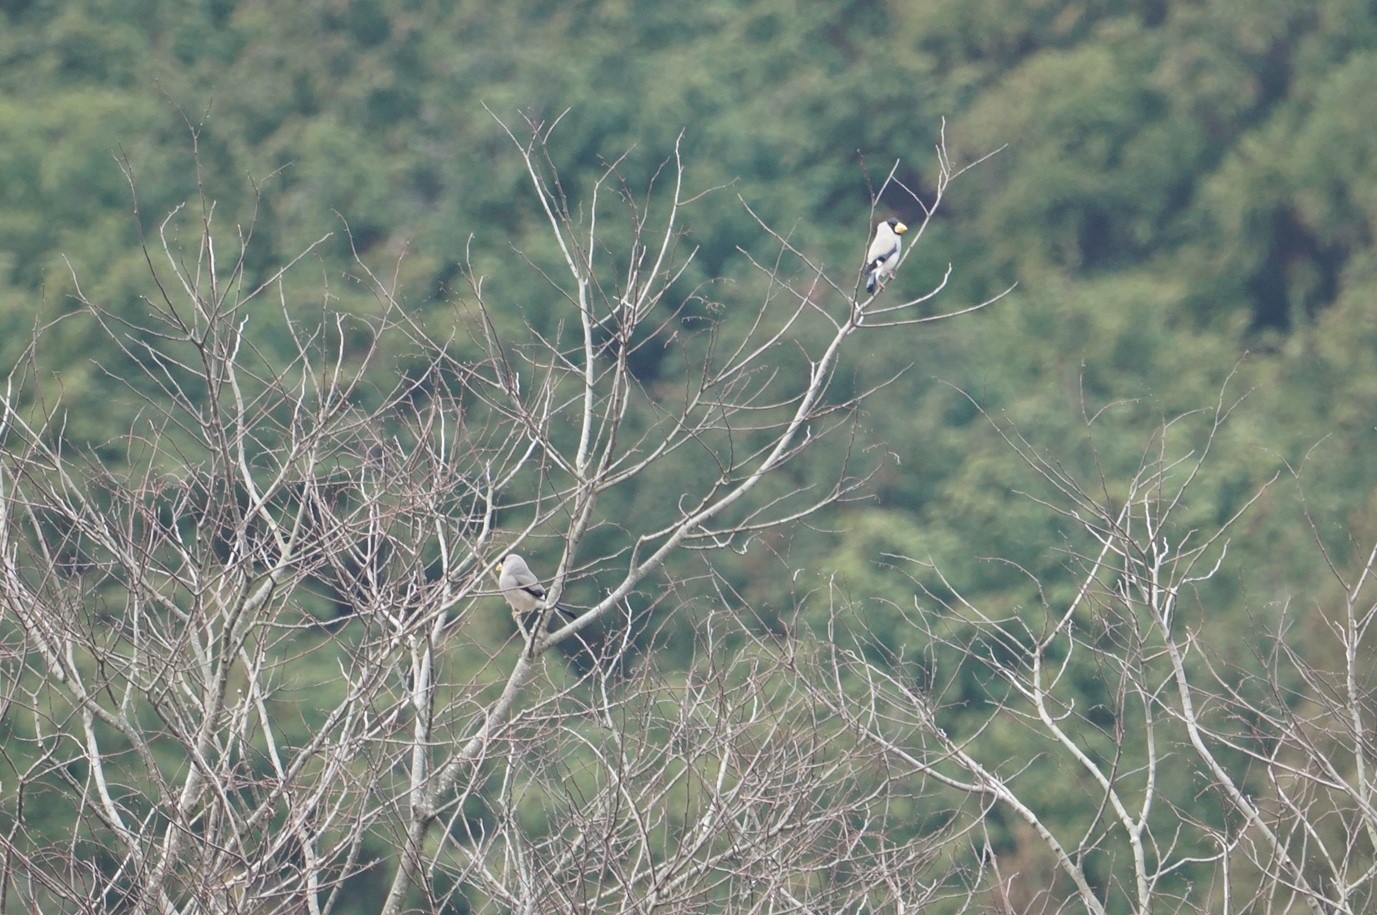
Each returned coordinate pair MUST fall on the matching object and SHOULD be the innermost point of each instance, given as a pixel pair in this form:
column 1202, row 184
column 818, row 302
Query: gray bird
column 522, row 590
column 883, row 253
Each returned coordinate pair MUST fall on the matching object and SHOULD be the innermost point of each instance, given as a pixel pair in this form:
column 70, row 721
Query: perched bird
column 884, row 252
column 522, row 590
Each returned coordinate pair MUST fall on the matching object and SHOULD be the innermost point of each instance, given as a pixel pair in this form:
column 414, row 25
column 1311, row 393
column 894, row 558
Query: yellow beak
column 900, row 229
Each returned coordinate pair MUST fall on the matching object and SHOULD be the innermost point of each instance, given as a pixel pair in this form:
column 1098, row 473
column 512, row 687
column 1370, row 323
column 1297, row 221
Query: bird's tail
column 870, row 282
column 569, row 613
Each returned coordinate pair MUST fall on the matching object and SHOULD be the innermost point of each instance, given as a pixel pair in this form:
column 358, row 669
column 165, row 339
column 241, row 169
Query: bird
column 522, row 590
column 883, row 253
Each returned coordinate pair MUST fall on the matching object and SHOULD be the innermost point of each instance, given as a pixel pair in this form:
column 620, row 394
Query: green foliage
column 1183, row 183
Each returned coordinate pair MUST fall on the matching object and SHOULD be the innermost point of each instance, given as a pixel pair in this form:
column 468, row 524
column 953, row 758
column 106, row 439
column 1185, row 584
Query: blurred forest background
column 1187, row 204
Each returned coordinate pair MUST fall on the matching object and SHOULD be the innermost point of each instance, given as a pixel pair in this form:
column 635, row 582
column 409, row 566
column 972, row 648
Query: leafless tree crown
column 252, row 648
column 254, row 657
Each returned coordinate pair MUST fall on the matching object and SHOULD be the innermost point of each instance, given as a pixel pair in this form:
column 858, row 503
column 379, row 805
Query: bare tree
column 260, row 653
column 1204, row 780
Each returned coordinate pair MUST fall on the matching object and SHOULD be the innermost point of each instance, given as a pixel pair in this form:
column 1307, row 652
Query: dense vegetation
column 1186, row 202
